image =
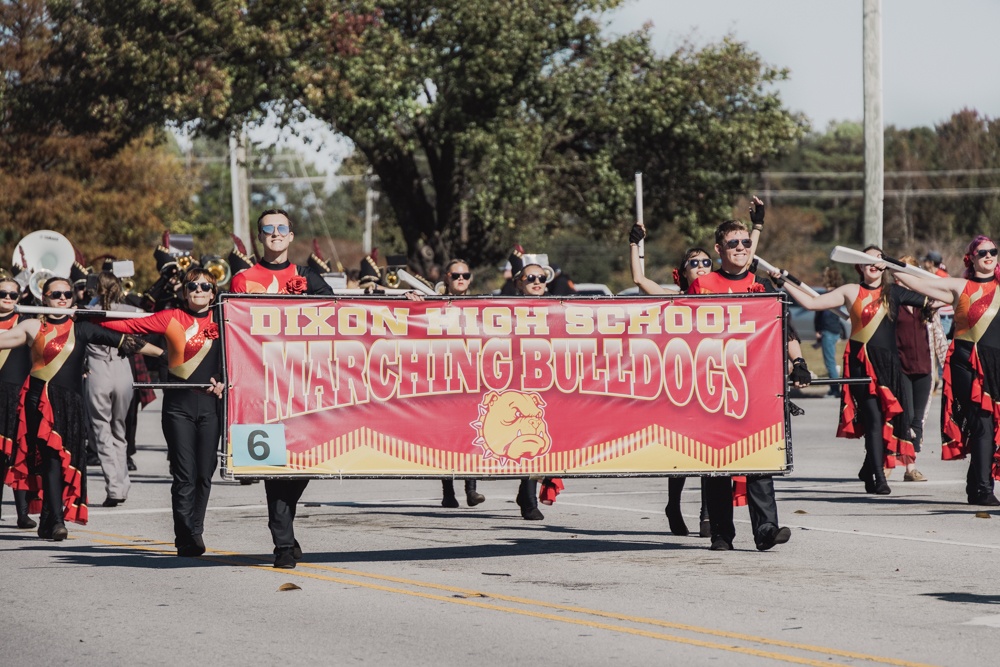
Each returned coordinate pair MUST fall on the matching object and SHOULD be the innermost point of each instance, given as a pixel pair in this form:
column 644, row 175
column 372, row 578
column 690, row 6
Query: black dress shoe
column 190, row 551
column 473, row 498
column 882, row 489
column 130, row 464
column 45, row 532
column 771, row 536
column 26, row 522
column 720, row 544
column 111, row 502
column 984, row 500
column 450, row 502
column 283, row 559
column 531, row 514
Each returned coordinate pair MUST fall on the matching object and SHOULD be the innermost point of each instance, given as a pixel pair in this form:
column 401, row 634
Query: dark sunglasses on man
column 732, row 244
column 199, row 287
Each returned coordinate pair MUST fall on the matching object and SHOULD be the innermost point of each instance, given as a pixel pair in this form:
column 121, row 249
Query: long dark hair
column 679, row 278
column 887, row 281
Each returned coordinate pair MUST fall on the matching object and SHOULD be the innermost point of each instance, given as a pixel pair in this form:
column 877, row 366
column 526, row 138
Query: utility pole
column 874, row 136
column 371, row 217
column 240, row 187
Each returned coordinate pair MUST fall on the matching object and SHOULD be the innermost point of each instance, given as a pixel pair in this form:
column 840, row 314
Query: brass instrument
column 184, row 262
column 43, row 254
column 128, row 286
column 220, row 270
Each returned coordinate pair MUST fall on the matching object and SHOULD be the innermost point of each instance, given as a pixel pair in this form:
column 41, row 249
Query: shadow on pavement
column 965, row 597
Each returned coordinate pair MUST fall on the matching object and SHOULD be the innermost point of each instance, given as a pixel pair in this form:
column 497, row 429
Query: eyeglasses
column 463, row 276
column 534, row 278
column 732, row 244
column 199, row 287
column 9, row 295
column 992, row 252
column 269, row 229
column 68, row 294
column 696, row 263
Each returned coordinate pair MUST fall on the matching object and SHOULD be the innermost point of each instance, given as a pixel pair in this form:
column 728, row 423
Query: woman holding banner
column 52, row 427
column 695, row 263
column 874, row 410
column 192, row 417
column 457, row 281
column 970, row 414
column 14, row 367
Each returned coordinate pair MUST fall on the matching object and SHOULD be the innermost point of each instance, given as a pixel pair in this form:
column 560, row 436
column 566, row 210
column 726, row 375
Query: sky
column 938, row 57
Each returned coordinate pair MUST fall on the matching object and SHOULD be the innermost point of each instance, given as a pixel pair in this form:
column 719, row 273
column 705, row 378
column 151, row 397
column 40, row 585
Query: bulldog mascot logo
column 511, row 426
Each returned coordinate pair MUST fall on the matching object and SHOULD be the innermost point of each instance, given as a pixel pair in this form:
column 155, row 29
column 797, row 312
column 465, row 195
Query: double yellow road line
column 651, row 628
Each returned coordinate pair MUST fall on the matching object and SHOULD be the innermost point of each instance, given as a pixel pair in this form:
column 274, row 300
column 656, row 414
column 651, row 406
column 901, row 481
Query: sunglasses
column 463, row 276
column 732, row 244
column 199, row 287
column 269, row 229
column 534, row 278
column 13, row 296
column 696, row 263
column 68, row 294
column 992, row 252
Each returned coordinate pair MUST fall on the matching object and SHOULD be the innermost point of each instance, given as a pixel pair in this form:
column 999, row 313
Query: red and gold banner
column 484, row 387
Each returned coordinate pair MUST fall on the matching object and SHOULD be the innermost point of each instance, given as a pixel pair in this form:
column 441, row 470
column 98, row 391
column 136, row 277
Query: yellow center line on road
column 226, row 557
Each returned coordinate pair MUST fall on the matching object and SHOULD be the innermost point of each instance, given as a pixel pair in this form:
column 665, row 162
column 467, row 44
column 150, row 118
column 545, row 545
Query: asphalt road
column 391, row 578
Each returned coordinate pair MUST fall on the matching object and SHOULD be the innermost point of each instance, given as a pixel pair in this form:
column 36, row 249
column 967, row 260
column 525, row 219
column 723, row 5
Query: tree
column 486, row 121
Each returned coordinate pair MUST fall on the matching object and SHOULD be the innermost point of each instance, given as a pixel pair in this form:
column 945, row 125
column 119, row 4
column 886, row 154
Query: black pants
column 51, row 469
column 870, row 415
column 978, row 429
column 191, row 428
column 916, row 392
column 760, row 501
column 282, row 500
column 131, row 423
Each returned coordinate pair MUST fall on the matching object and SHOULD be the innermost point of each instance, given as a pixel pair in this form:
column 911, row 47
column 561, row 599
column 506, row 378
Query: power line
column 896, row 194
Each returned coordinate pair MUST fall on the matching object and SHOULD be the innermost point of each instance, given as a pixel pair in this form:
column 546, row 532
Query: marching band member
column 734, row 246
column 191, row 418
column 873, row 411
column 14, row 367
column 274, row 274
column 971, row 413
column 51, row 426
column 695, row 264
column 108, row 392
column 457, row 281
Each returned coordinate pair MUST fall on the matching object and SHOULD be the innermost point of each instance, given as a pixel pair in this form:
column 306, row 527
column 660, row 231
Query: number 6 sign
column 258, row 445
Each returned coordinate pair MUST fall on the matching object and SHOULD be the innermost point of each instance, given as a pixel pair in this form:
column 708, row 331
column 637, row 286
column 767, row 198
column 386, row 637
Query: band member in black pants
column 274, row 274
column 191, row 417
column 14, row 367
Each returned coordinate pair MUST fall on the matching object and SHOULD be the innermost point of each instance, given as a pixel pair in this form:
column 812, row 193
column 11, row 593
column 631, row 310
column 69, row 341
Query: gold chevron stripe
column 413, row 457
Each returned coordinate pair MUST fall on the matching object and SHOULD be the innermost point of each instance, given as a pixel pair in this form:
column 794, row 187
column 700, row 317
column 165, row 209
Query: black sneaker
column 284, row 560
column 985, row 500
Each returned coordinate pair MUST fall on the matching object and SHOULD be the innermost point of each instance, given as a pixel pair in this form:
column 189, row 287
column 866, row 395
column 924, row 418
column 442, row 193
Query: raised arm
column 645, row 284
column 22, row 334
column 946, row 290
column 757, row 218
column 842, row 296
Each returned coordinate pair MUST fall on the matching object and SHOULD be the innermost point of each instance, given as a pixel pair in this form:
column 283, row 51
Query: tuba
column 44, row 254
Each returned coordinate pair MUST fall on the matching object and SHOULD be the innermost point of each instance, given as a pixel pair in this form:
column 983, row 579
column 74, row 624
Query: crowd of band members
column 48, row 411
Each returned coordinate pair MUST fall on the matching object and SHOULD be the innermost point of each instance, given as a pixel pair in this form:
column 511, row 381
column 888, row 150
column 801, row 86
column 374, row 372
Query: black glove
column 800, row 372
column 130, row 345
column 757, row 213
column 637, row 234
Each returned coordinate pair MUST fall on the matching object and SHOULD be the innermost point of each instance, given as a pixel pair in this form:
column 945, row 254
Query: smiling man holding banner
column 274, row 274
